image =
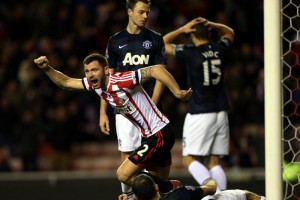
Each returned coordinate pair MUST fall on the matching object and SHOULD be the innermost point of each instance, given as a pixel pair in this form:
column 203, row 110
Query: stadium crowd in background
column 67, row 30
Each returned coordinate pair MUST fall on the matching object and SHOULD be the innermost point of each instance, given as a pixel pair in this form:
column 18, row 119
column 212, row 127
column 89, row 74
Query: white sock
column 126, row 189
column 199, row 172
column 218, row 174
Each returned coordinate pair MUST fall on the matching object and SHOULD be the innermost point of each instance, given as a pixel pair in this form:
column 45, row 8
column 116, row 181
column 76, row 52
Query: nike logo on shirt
column 120, row 47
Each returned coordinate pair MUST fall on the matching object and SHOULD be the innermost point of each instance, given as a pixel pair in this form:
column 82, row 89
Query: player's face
column 96, row 74
column 140, row 13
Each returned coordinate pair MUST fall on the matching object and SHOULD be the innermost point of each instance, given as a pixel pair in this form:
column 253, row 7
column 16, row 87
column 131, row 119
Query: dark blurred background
column 44, row 128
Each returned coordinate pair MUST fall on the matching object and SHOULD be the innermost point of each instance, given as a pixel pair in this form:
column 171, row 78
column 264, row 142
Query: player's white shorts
column 129, row 137
column 206, row 134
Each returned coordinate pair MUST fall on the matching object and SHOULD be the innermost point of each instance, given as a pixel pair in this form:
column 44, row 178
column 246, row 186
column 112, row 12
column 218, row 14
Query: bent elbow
column 157, row 70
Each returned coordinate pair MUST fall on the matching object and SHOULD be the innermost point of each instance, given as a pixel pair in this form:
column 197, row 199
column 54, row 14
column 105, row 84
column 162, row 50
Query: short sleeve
column 110, row 55
column 86, row 84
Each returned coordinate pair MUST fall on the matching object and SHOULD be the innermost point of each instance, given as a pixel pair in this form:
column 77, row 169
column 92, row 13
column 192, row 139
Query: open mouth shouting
column 95, row 83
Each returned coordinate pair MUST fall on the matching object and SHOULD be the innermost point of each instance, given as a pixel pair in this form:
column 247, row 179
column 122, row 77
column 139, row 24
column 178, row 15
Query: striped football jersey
column 125, row 94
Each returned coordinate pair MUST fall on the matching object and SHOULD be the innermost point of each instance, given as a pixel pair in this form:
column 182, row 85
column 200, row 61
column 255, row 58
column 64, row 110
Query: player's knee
column 184, row 163
column 212, row 162
column 122, row 177
column 187, row 160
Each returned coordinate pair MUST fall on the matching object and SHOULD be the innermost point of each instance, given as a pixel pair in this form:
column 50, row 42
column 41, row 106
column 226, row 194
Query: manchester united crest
column 147, row 44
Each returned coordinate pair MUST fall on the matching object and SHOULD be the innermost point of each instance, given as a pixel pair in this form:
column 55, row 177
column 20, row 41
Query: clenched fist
column 42, row 62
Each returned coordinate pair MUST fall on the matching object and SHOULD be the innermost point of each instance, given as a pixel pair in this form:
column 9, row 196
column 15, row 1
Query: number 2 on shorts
column 142, row 151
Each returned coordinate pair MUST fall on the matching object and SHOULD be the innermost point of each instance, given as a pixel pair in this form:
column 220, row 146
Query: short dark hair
column 131, row 3
column 95, row 56
column 201, row 31
column 143, row 187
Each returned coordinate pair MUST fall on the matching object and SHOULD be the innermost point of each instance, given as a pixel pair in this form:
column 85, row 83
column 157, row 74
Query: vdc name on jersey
column 136, row 59
column 210, row 54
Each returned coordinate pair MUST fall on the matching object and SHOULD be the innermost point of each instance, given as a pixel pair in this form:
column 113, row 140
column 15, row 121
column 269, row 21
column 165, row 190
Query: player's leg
column 167, row 184
column 217, row 171
column 126, row 189
column 199, row 171
column 128, row 140
column 162, row 173
column 196, row 141
column 152, row 153
column 163, row 156
column 158, row 158
column 127, row 171
column 219, row 148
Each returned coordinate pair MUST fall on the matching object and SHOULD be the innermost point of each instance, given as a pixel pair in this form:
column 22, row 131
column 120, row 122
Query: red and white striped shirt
column 125, row 94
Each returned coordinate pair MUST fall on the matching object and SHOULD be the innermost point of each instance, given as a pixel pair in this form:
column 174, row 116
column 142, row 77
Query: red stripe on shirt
column 138, row 109
column 150, row 102
column 129, row 116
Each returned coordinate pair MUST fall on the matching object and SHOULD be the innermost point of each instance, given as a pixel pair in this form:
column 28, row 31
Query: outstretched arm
column 160, row 73
column 60, row 79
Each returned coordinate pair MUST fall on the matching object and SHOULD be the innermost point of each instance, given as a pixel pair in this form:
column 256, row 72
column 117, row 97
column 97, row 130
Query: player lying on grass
column 125, row 94
column 145, row 188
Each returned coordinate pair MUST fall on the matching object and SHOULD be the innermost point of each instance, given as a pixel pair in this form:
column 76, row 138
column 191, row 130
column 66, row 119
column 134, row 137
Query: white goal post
column 273, row 124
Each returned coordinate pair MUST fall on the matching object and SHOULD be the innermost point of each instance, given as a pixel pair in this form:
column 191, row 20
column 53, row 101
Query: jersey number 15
column 213, row 64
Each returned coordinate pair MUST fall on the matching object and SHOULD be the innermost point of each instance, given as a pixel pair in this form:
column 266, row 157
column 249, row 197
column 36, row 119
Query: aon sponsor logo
column 136, row 59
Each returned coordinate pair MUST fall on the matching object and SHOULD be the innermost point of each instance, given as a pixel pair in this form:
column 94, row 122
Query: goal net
column 290, row 46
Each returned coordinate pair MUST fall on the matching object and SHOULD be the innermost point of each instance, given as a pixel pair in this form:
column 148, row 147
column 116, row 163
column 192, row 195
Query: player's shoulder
column 224, row 42
column 152, row 32
column 118, row 35
column 184, row 47
column 117, row 75
column 188, row 46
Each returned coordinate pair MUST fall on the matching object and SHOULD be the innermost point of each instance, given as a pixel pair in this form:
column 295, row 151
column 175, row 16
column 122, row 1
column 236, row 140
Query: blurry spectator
column 61, row 137
column 8, row 115
column 4, row 159
column 27, row 140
